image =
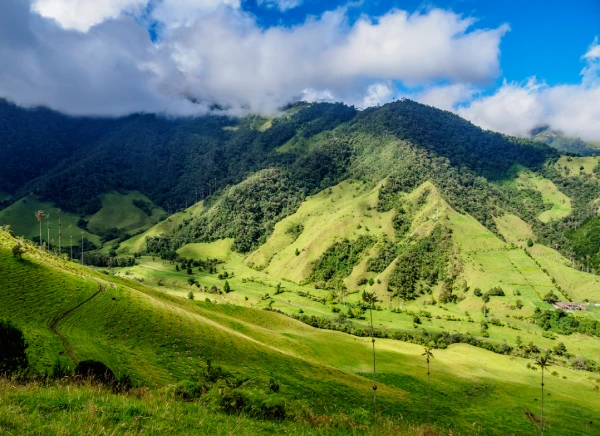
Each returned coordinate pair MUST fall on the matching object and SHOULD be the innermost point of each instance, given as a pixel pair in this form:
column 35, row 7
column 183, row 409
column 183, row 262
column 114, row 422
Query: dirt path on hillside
column 67, row 313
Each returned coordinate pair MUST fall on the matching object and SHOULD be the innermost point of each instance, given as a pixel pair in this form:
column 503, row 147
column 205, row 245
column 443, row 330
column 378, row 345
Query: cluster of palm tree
column 370, row 298
column 41, row 215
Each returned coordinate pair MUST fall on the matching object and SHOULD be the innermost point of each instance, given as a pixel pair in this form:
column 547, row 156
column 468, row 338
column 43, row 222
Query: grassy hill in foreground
column 159, row 340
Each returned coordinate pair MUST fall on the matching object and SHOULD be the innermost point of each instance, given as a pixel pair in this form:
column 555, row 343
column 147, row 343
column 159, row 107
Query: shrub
column 12, row 348
column 560, row 349
column 273, row 387
column 214, row 373
column 188, row 390
column 496, row 292
column 550, row 297
column 97, row 371
column 477, row 292
column 191, row 295
column 580, row 363
column 17, row 250
column 253, row 403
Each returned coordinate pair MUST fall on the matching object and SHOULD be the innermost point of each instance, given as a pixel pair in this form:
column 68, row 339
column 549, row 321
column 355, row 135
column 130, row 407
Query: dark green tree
column 12, row 348
column 17, row 250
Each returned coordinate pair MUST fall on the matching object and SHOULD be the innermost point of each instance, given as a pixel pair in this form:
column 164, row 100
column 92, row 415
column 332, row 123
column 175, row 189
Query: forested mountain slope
column 310, row 147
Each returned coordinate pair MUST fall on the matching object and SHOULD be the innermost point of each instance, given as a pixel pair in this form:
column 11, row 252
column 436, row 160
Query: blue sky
column 509, row 66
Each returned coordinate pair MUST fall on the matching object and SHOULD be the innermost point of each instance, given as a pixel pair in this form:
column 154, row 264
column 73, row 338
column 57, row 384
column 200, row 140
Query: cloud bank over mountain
column 97, row 58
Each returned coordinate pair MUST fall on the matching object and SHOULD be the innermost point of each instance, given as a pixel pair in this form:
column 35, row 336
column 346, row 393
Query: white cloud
column 227, row 57
column 516, row 108
column 112, row 70
column 315, row 95
column 214, row 52
column 282, row 5
column 446, row 97
column 378, row 93
column 81, row 15
column 594, row 51
column 176, row 13
column 419, row 47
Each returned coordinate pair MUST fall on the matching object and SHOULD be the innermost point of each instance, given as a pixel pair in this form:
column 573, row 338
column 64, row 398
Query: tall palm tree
column 40, row 215
column 71, row 241
column 82, row 234
column 428, row 355
column 59, row 231
column 370, row 298
column 48, row 226
column 543, row 362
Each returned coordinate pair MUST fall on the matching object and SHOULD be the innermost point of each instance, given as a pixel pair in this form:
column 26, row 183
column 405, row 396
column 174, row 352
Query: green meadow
column 159, row 323
column 473, row 391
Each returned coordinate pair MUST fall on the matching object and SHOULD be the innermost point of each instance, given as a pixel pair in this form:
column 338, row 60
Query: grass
column 486, row 261
column 67, row 409
column 573, row 165
column 344, row 211
column 319, row 370
column 561, row 204
column 220, row 250
column 20, row 216
column 119, row 211
column 138, row 243
column 148, row 320
column 514, row 229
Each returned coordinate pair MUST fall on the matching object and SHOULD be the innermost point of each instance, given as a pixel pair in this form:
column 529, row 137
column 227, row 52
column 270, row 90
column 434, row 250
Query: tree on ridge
column 40, row 215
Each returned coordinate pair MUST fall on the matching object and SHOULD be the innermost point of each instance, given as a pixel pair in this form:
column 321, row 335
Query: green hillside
column 138, row 243
column 121, row 322
column 566, row 144
column 252, row 244
column 21, row 217
column 119, row 210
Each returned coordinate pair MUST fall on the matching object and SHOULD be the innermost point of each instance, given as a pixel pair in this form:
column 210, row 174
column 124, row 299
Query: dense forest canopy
column 309, row 147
